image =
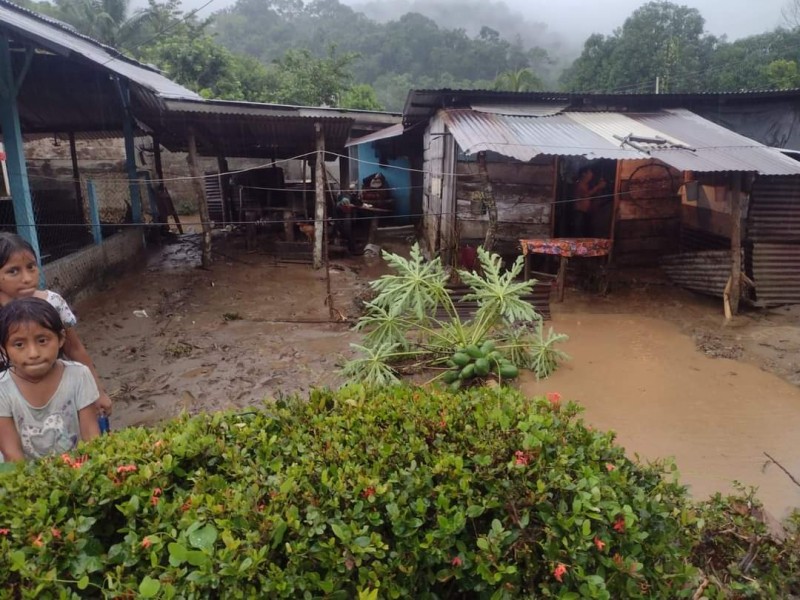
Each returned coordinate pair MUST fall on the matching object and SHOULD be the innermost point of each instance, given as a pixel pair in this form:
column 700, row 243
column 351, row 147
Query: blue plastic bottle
column 105, row 426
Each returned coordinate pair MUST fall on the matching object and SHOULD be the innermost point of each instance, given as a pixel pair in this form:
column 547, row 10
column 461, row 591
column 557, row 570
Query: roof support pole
column 15, row 150
column 319, row 185
column 76, row 175
column 736, row 242
column 202, row 204
column 130, row 151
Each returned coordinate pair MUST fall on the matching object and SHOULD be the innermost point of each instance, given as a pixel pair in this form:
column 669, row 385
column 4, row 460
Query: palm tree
column 109, row 21
column 519, row 80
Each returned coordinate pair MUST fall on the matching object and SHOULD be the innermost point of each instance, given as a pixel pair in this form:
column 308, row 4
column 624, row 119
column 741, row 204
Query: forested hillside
column 322, row 52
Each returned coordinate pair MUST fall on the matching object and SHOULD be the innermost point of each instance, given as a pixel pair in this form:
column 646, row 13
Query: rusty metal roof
column 677, row 137
column 525, row 138
column 254, row 129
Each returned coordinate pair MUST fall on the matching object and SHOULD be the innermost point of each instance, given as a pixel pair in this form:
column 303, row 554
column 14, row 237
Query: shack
column 652, row 179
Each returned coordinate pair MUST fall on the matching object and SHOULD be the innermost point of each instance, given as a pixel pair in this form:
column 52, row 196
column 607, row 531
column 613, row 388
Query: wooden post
column 736, row 242
column 614, row 210
column 319, row 212
column 130, row 151
column 489, row 201
column 224, row 179
column 13, row 144
column 76, row 175
column 202, row 204
column 94, row 214
column 561, row 278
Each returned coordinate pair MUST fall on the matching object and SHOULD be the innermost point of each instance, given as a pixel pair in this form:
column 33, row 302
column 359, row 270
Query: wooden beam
column 76, row 174
column 202, row 203
column 319, row 184
column 736, row 242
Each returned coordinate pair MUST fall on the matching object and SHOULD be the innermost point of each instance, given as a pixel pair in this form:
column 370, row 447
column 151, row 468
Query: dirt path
column 646, row 359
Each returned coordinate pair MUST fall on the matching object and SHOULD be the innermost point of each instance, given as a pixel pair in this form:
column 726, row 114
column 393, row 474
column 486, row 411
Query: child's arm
column 10, row 444
column 75, row 350
column 87, row 418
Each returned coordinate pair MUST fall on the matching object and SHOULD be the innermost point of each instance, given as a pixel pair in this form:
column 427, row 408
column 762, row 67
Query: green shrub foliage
column 394, row 493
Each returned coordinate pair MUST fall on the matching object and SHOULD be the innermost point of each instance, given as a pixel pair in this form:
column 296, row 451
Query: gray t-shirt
column 53, row 428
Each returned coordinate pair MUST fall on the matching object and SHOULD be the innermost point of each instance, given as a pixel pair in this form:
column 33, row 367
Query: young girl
column 46, row 404
column 19, row 278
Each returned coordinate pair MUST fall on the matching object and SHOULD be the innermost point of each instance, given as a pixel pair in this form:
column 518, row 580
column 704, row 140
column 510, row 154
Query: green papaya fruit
column 474, row 351
column 468, row 371
column 481, row 367
column 487, row 347
column 450, row 376
column 460, row 359
column 508, row 371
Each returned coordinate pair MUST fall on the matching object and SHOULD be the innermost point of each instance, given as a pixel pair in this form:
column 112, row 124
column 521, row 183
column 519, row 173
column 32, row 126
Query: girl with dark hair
column 19, row 278
column 46, row 404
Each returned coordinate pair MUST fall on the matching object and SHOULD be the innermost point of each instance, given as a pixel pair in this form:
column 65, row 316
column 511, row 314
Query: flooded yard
column 652, row 363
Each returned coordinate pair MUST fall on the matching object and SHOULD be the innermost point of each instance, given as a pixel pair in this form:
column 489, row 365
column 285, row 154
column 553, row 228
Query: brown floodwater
column 644, row 379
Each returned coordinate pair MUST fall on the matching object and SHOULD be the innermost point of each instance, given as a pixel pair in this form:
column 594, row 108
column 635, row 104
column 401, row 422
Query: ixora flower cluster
column 364, row 492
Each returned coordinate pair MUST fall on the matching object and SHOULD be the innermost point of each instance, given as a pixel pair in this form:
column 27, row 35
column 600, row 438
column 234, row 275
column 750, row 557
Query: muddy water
column 645, row 380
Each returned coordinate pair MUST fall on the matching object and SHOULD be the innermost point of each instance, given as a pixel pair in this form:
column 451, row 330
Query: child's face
column 33, row 350
column 19, row 277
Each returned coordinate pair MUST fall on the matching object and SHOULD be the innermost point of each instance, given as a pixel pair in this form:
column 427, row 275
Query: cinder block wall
column 79, row 274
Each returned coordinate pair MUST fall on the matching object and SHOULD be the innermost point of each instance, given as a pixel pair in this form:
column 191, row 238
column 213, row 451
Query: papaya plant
column 414, row 320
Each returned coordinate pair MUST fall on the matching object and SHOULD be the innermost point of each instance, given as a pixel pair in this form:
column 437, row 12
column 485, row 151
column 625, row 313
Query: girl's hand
column 104, row 403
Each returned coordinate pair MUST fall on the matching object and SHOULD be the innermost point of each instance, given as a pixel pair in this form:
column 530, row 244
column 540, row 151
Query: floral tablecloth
column 567, row 247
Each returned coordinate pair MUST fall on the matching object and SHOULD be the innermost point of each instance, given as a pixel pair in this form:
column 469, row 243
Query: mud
column 645, row 379
column 651, row 362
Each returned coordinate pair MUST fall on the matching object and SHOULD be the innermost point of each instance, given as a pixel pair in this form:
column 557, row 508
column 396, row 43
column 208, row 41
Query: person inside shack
column 587, row 187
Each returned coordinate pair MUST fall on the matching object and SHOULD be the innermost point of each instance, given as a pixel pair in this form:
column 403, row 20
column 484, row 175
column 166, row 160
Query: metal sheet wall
column 774, row 230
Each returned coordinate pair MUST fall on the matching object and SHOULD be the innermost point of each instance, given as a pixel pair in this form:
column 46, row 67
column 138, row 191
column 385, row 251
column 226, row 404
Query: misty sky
column 579, row 18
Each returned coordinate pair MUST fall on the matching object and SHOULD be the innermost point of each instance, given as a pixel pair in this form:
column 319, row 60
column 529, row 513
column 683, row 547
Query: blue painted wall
column 399, row 179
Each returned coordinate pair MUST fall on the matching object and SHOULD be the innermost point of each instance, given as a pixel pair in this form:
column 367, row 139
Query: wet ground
column 655, row 364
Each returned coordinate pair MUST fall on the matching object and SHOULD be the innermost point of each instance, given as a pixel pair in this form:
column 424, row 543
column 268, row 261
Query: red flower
column 188, row 504
column 599, row 543
column 37, row 541
column 554, row 398
column 55, row 532
column 456, row 562
column 158, row 444
column 157, row 492
column 369, row 492
column 559, row 572
column 520, row 458
column 619, row 525
column 5, row 531
column 126, row 468
column 618, row 561
column 442, row 424
column 146, row 543
column 154, row 500
column 610, row 467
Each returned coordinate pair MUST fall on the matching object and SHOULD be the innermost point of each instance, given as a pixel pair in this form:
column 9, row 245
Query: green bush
column 396, row 493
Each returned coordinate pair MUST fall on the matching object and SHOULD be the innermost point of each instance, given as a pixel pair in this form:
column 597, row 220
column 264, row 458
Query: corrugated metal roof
column 521, row 109
column 525, row 138
column 61, row 39
column 678, row 138
column 715, row 147
column 383, row 134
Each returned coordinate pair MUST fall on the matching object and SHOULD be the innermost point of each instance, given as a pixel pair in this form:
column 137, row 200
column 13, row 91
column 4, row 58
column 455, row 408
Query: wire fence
column 63, row 210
